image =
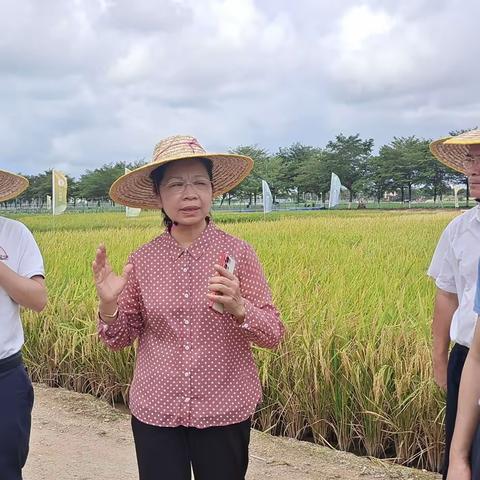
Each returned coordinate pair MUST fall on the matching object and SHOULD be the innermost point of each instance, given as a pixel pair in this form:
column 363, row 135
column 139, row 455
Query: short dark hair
column 157, row 177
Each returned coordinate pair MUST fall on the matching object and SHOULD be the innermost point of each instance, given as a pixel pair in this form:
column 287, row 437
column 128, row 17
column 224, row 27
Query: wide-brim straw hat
column 452, row 151
column 135, row 189
column 11, row 185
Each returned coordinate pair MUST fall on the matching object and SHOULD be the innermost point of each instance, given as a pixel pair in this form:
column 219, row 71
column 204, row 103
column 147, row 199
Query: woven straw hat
column 452, row 151
column 11, row 185
column 135, row 189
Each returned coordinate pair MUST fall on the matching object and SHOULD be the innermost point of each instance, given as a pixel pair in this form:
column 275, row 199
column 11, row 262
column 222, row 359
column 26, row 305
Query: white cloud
column 87, row 82
column 361, row 23
column 375, row 54
column 146, row 16
column 137, row 63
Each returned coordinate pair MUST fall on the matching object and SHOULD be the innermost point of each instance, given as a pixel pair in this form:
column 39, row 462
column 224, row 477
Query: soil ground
column 78, row 437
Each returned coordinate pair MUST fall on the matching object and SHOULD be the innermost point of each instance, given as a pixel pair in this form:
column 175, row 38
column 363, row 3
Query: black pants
column 16, row 402
column 214, row 453
column 456, row 361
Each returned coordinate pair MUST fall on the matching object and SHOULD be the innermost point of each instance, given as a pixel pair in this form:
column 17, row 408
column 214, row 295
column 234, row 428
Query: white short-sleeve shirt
column 19, row 251
column 454, row 268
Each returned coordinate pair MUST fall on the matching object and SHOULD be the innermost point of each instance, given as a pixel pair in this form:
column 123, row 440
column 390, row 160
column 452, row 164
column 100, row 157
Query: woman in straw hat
column 454, row 268
column 195, row 383
column 21, row 284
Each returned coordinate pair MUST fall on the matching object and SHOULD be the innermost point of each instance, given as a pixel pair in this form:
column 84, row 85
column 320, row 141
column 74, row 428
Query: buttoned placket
column 186, row 277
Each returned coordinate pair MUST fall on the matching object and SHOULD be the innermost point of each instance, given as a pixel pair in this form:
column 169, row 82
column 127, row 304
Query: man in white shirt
column 454, row 269
column 21, row 284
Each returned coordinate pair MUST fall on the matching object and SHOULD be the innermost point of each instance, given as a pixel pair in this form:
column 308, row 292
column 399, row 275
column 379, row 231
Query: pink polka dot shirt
column 194, row 366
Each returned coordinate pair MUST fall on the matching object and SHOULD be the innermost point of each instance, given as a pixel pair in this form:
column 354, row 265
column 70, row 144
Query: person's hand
column 459, row 470
column 224, row 288
column 109, row 286
column 440, row 371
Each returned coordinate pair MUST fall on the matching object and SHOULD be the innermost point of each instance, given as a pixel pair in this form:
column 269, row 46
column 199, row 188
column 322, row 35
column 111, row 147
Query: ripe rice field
column 354, row 370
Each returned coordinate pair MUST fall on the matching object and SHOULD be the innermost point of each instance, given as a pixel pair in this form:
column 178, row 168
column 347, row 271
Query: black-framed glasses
column 3, row 254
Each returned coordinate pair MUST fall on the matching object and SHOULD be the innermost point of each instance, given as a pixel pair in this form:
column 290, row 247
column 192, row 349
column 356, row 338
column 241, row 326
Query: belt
column 11, row 362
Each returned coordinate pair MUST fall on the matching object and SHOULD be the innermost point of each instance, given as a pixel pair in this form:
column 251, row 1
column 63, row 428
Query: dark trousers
column 16, row 402
column 214, row 453
column 456, row 361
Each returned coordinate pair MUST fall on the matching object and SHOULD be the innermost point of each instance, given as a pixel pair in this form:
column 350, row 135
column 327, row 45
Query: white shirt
column 455, row 269
column 24, row 258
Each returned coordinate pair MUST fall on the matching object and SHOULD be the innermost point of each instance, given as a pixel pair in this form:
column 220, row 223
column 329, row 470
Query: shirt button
column 187, row 374
column 185, row 295
column 187, row 347
column 186, row 322
column 185, row 269
column 187, row 399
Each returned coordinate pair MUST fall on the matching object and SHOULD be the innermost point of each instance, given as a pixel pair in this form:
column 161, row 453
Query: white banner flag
column 456, row 189
column 267, row 197
column 59, row 192
column 335, row 187
column 129, row 211
column 49, row 202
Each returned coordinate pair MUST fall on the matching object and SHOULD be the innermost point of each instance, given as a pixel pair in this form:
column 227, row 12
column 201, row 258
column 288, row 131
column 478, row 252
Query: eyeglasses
column 471, row 160
column 3, row 254
column 175, row 187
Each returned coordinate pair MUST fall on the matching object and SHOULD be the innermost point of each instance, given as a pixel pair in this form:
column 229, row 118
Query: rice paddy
column 354, row 370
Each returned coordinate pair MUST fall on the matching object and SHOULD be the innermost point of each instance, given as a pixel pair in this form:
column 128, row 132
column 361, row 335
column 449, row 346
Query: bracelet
column 105, row 315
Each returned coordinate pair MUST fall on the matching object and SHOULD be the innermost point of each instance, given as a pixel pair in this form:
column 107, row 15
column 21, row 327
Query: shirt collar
column 196, row 249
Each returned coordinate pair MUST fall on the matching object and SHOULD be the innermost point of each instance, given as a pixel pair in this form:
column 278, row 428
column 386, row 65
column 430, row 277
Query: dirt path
column 77, row 437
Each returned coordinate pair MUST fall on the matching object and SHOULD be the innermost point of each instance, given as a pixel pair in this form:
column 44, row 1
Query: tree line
column 399, row 168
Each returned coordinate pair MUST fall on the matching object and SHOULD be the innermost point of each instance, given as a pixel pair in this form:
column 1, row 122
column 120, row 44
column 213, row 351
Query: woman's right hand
column 109, row 286
column 459, row 470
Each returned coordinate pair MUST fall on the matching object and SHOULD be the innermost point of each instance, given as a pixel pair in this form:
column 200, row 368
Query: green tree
column 290, row 164
column 41, row 185
column 377, row 180
column 408, row 161
column 251, row 187
column 348, row 158
column 272, row 174
column 436, row 176
column 314, row 174
column 95, row 184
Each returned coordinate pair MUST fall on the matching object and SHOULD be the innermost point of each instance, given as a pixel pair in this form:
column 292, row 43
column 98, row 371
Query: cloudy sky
column 88, row 82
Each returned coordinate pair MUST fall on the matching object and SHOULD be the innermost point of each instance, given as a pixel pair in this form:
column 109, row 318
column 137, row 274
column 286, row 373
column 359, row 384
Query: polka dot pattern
column 194, row 366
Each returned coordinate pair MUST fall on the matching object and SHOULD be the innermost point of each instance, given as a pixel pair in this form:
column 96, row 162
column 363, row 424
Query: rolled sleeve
column 129, row 323
column 262, row 325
